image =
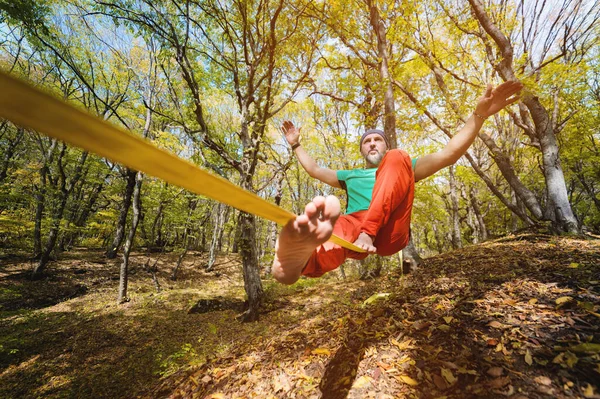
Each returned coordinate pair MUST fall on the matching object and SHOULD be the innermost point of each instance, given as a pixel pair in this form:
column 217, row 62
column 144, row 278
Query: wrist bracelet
column 479, row 116
column 295, row 146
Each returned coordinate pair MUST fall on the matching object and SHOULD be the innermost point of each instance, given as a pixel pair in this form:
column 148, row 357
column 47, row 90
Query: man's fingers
column 488, row 91
column 512, row 100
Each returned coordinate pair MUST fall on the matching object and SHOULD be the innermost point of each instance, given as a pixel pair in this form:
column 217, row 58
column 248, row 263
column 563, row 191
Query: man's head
column 373, row 146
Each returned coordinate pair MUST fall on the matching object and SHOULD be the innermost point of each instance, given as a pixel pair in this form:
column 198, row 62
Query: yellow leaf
column 528, row 358
column 448, row 319
column 217, row 396
column 407, row 380
column 533, row 301
column 404, row 345
column 362, row 382
column 448, row 376
column 588, row 392
column 573, row 265
column 321, row 351
column 563, row 299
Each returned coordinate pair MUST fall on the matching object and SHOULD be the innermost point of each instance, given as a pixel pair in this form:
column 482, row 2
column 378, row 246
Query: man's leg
column 329, row 256
column 386, row 225
column 300, row 237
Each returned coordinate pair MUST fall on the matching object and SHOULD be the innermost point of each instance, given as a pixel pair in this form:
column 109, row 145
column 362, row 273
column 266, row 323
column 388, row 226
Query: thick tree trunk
column 558, row 208
column 122, row 222
column 389, row 118
column 252, row 283
column 411, row 255
column 124, row 271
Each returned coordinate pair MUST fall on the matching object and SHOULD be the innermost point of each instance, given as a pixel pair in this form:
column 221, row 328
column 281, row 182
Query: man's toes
column 314, row 208
column 332, row 207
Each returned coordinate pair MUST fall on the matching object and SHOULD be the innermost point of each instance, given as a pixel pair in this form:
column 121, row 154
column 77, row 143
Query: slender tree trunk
column 124, row 271
column 9, row 153
column 455, row 217
column 186, row 236
column 477, row 211
column 40, row 198
column 220, row 212
column 122, row 222
column 66, row 188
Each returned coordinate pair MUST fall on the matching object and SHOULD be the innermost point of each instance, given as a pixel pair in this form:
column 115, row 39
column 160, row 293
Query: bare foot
column 300, row 237
column 365, row 242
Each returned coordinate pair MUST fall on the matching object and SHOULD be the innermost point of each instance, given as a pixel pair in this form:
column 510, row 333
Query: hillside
column 517, row 317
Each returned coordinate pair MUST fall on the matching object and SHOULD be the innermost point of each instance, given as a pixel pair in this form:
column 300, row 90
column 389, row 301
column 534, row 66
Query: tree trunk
column 389, row 118
column 455, row 217
column 40, row 198
column 66, row 188
column 483, row 232
column 186, row 237
column 252, row 283
column 124, row 272
column 220, row 212
column 9, row 152
column 122, row 222
column 411, row 255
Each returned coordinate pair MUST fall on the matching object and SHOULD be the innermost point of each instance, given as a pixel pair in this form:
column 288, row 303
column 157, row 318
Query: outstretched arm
column 491, row 102
column 292, row 135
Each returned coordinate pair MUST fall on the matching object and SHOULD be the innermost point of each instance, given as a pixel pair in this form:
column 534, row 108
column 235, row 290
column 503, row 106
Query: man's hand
column 495, row 99
column 291, row 132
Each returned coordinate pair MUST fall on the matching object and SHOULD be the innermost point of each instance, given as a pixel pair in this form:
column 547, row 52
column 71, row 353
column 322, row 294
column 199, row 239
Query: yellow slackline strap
column 27, row 106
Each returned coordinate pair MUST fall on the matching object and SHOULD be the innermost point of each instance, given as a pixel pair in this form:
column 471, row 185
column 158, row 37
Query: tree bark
column 389, row 118
column 66, row 188
column 479, row 216
column 9, row 153
column 124, row 271
column 220, row 213
column 122, row 222
column 454, row 216
column 40, row 198
column 252, row 283
column 411, row 255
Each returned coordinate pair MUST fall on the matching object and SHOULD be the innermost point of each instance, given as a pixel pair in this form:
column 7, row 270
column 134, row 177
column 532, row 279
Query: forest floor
column 517, row 317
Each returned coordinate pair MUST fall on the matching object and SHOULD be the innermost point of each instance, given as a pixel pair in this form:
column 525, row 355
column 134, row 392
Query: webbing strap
column 30, row 107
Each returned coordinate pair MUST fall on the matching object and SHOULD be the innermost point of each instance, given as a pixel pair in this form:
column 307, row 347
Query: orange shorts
column 387, row 219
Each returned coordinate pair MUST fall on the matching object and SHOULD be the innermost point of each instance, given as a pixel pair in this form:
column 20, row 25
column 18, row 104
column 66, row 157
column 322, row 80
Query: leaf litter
column 511, row 318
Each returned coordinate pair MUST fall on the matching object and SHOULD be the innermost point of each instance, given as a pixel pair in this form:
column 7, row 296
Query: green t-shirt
column 359, row 184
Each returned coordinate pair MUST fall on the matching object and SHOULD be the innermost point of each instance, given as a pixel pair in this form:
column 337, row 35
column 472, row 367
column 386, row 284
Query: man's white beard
column 374, row 159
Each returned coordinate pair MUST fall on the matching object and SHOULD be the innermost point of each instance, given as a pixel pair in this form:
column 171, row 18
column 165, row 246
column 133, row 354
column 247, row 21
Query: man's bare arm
column 491, row 102
column 326, row 175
